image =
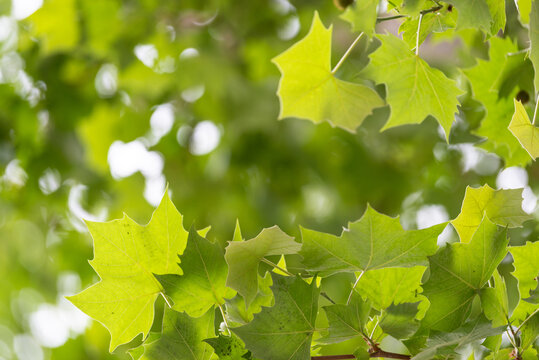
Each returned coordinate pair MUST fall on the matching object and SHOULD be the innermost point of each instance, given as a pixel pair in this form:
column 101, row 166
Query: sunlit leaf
column 309, row 89
column 414, row 89
column 126, row 257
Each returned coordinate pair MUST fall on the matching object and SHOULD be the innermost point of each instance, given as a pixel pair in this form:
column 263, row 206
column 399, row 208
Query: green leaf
column 473, row 14
column 202, row 284
column 502, row 207
column 309, row 89
column 227, row 347
column 375, row 241
column 414, row 89
column 530, row 331
column 243, row 258
column 458, row 272
column 497, row 12
column 435, row 22
column 498, row 110
column 400, row 285
column 126, row 255
column 534, row 296
column 525, row 132
column 284, row 331
column 494, row 301
column 182, row 337
column 408, row 7
column 239, row 313
column 516, row 73
column 446, row 343
column 526, row 270
column 399, row 320
column 346, row 321
column 362, row 16
column 534, row 41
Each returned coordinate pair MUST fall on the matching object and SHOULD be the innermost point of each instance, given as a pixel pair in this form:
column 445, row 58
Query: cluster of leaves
column 244, row 302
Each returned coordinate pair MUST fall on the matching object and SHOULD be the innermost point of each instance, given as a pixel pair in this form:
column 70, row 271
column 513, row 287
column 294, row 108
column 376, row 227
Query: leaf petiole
column 347, row 53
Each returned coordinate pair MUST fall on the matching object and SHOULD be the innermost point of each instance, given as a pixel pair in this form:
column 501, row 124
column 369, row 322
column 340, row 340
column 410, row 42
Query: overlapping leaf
column 347, row 321
column 202, row 284
column 526, row 133
column 434, row 22
column 309, row 89
column 243, row 258
column 400, row 285
column 494, row 301
column 498, row 109
column 458, row 272
column 284, row 331
column 446, row 343
column 126, row 255
column 414, row 89
column 182, row 338
column 375, row 241
column 526, row 271
column 502, row 207
column 362, row 15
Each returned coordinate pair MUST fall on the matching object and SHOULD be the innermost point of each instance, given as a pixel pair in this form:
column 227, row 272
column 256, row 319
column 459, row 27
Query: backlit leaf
column 126, row 255
column 202, row 284
column 525, row 132
column 375, row 241
column 309, row 89
column 502, row 207
column 414, row 89
column 243, row 258
column 458, row 272
column 284, row 331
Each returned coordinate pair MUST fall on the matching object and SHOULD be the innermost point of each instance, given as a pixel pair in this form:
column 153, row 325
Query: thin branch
column 354, row 287
column 389, row 355
column 535, row 112
column 277, row 267
column 347, row 53
column 333, row 357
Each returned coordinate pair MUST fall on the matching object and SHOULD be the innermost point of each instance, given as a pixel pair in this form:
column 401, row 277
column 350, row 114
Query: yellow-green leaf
column 126, row 255
column 525, row 132
column 309, row 89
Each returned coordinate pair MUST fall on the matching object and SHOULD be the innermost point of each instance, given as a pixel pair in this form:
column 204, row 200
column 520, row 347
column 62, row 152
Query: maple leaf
column 503, row 207
column 308, row 87
column 525, row 132
column 414, row 89
column 373, row 242
column 243, row 258
column 126, row 255
column 458, row 272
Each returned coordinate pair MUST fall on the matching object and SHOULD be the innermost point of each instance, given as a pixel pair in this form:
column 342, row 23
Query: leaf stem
column 535, row 111
column 529, row 317
column 166, row 300
column 347, row 53
column 277, row 267
column 354, row 287
column 323, row 294
column 381, row 19
column 418, row 32
column 224, row 317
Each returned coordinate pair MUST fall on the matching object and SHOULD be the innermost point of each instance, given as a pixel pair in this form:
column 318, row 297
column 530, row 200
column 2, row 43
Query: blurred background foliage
column 105, row 102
